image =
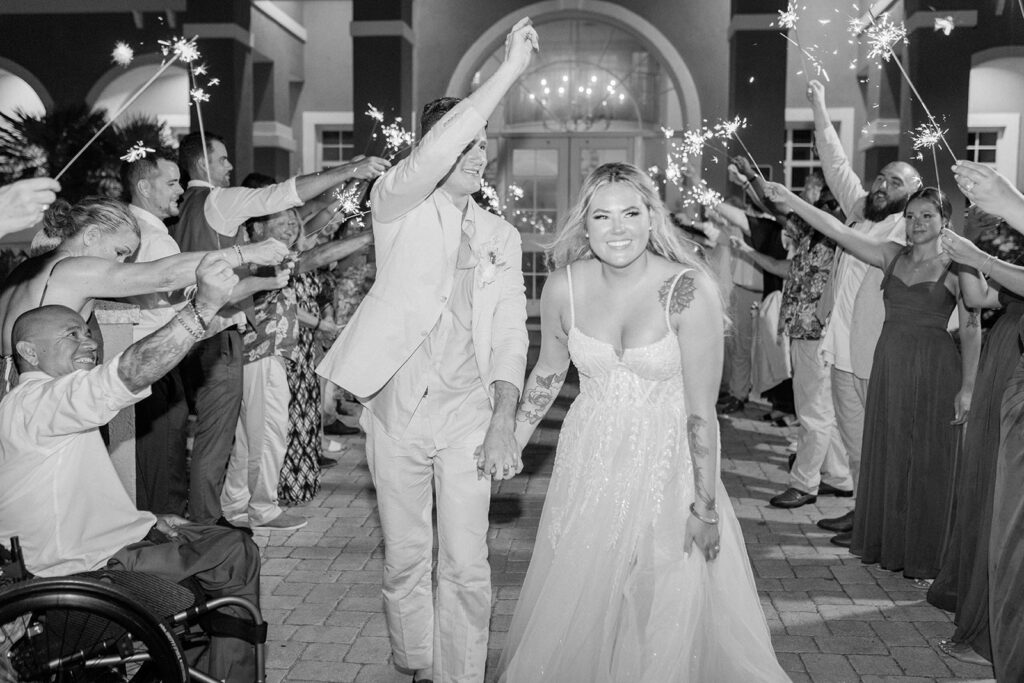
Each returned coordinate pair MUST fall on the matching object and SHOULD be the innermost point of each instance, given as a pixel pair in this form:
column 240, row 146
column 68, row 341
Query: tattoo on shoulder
column 679, row 297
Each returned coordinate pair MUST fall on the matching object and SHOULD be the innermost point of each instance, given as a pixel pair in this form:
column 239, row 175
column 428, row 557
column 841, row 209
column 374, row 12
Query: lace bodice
column 642, row 374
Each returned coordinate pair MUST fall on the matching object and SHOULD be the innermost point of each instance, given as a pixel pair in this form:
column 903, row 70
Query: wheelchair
column 106, row 627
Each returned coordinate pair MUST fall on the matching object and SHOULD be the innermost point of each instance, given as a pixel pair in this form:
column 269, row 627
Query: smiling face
column 465, row 177
column 284, row 226
column 57, row 342
column 924, row 221
column 618, row 224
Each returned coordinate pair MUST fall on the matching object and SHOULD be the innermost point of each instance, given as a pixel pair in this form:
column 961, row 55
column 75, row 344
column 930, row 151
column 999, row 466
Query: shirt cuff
column 292, row 192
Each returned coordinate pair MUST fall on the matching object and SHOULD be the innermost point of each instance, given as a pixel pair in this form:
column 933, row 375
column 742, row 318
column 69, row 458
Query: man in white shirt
column 61, row 495
column 210, row 216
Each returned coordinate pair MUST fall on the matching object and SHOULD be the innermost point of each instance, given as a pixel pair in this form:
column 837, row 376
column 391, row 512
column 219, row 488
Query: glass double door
column 549, row 171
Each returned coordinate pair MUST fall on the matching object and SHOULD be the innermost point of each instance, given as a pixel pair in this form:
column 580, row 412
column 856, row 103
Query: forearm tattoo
column 973, row 318
column 681, row 296
column 537, row 399
column 152, row 357
column 703, row 460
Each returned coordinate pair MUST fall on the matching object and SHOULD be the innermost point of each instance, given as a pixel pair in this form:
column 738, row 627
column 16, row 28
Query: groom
column 437, row 354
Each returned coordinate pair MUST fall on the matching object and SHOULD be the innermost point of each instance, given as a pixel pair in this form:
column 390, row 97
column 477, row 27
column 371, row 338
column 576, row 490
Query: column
column 382, row 42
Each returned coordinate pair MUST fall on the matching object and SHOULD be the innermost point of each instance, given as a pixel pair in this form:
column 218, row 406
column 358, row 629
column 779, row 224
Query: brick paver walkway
column 831, row 618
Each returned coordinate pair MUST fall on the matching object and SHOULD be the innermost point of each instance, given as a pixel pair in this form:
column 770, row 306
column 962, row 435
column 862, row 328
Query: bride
column 639, row 572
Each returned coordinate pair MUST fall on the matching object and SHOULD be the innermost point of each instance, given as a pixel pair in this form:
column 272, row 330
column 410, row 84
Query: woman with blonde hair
column 94, row 240
column 639, row 572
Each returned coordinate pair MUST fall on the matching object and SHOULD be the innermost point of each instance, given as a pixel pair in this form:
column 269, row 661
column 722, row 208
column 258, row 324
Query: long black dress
column 909, row 446
column 1006, row 543
column 962, row 583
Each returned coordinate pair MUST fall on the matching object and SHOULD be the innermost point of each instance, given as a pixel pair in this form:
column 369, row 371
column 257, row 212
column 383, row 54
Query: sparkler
column 787, row 21
column 123, row 54
column 945, row 24
column 198, row 96
column 730, row 129
column 702, row 194
column 179, row 50
column 883, row 36
column 927, row 136
column 348, row 206
column 136, row 152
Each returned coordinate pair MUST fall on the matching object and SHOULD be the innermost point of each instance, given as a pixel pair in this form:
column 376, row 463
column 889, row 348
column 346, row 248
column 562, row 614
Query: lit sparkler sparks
column 123, row 54
column 788, row 18
column 199, row 95
column 730, row 129
column 182, row 49
column 884, row 35
column 945, row 24
column 375, row 114
column 704, row 195
column 396, row 137
column 927, row 136
column 136, row 152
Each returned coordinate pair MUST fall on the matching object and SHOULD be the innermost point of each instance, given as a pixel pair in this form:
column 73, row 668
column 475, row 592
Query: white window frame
column 312, row 123
column 802, row 118
column 1007, row 125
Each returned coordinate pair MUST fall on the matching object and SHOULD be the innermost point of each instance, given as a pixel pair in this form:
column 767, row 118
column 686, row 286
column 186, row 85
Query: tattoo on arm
column 973, row 318
column 538, row 398
column 149, row 359
column 703, row 465
column 679, row 297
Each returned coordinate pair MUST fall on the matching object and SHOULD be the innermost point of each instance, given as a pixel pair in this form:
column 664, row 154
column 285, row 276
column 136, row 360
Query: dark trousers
column 161, row 482
column 212, row 373
column 224, row 562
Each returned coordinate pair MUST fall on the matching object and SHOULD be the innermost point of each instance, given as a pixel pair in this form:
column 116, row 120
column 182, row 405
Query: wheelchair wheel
column 74, row 630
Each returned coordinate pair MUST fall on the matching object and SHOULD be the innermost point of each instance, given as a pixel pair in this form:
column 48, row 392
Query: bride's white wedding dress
column 610, row 596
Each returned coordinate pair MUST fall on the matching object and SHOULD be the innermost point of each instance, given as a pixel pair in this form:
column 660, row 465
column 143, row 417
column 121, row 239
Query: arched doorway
column 18, row 94
column 600, row 91
column 166, row 100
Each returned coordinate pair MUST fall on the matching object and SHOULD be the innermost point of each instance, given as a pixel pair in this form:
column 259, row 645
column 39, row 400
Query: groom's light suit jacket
column 417, row 234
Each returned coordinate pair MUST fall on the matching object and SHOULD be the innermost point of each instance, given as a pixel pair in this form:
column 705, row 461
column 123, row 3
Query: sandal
column 923, row 584
column 962, row 652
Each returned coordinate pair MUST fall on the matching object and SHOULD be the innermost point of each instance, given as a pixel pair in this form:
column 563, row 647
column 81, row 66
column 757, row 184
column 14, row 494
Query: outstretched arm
column 317, row 257
column 547, row 377
column 694, row 304
column 873, row 251
column 991, row 191
column 773, row 265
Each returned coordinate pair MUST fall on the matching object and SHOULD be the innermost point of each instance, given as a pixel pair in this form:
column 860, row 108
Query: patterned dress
column 300, row 474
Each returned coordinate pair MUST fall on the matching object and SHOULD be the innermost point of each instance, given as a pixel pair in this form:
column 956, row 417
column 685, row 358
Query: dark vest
column 192, row 232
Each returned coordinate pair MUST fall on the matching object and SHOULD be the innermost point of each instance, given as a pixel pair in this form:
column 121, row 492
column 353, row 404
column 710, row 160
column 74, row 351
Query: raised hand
column 368, row 168
column 990, row 190
column 778, row 193
column 816, row 93
column 744, row 166
column 23, row 202
column 961, row 250
column 520, row 44
column 215, row 278
column 269, row 252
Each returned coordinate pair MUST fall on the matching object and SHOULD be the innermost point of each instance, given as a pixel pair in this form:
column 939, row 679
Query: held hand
column 744, row 166
column 961, row 250
column 961, row 406
column 704, row 536
column 816, row 93
column 988, row 189
column 367, row 168
column 168, row 525
column 520, row 44
column 739, row 244
column 778, row 193
column 23, row 202
column 499, row 455
column 215, row 278
column 269, row 252
column 736, row 176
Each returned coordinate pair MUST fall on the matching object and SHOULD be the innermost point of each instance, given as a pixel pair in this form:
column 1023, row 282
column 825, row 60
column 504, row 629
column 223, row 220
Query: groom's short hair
column 434, row 111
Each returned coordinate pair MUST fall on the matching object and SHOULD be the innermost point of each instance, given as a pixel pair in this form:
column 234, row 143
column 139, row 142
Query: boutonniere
column 489, row 262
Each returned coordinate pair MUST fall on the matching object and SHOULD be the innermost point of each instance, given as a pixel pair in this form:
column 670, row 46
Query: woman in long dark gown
column 1005, row 541
column 920, row 386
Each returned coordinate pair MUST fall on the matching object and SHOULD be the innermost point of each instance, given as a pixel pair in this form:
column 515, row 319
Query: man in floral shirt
column 820, row 465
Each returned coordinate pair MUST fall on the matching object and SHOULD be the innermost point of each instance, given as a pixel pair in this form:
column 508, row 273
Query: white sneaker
column 283, row 522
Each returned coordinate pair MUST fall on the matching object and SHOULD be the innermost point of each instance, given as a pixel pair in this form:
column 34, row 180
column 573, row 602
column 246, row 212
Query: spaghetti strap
column 46, row 285
column 668, row 299
column 890, row 268
column 572, row 303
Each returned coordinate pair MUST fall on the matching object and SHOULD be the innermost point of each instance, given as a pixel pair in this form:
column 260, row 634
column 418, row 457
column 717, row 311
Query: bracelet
column 987, row 262
column 238, row 250
column 194, row 332
column 713, row 520
column 199, row 319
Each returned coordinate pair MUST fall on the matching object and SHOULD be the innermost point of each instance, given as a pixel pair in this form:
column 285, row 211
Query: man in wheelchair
column 61, row 494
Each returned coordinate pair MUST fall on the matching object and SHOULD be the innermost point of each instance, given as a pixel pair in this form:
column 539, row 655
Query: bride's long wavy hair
column 571, row 243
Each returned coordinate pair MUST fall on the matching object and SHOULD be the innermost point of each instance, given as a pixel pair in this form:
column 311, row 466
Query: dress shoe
column 730, row 405
column 237, row 527
column 339, row 428
column 839, row 525
column 792, row 498
column 842, row 540
column 326, row 463
column 829, row 490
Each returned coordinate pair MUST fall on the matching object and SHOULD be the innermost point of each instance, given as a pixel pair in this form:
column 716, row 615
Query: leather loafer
column 839, row 525
column 792, row 498
column 842, row 540
column 829, row 490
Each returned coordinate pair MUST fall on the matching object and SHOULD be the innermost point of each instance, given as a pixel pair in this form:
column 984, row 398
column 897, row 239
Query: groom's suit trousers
column 451, row 635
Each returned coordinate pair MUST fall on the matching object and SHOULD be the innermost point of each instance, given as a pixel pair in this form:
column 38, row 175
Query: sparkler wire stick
column 199, row 117
column 120, row 110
